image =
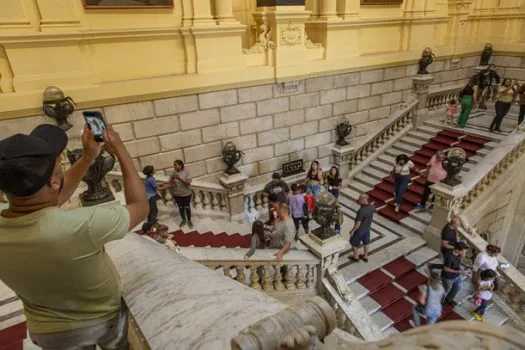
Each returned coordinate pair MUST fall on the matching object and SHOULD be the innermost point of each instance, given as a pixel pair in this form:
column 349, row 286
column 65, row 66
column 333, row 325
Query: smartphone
column 95, row 122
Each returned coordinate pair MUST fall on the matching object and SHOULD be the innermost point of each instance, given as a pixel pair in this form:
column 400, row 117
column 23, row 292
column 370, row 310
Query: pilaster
column 421, row 87
column 235, row 185
column 59, row 15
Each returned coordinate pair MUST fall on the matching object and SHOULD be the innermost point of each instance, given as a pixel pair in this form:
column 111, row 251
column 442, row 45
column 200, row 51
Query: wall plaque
column 261, row 3
column 381, row 2
column 292, row 168
column 131, row 4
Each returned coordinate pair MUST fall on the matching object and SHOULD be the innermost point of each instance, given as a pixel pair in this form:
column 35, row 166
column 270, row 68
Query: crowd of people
column 482, row 87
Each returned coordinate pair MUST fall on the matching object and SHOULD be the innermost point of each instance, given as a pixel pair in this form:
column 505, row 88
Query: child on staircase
column 452, row 110
column 484, row 289
column 298, row 209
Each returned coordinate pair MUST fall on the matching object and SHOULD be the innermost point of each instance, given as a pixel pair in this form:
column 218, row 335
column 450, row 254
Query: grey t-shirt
column 365, row 214
column 434, row 297
column 178, row 188
column 284, row 233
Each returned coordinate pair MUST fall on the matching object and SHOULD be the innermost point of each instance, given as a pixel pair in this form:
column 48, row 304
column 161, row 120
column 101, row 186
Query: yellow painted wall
column 106, row 57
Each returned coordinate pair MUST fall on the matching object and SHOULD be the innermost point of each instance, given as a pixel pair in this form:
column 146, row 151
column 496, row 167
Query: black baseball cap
column 27, row 161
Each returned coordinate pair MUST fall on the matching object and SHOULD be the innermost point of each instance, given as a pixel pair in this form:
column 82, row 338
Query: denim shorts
column 358, row 237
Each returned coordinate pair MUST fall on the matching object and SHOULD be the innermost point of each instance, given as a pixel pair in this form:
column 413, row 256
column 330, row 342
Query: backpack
column 310, row 202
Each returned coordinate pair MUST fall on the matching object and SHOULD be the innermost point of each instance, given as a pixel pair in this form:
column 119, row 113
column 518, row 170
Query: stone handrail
column 351, row 316
column 439, row 97
column 262, row 271
column 513, row 290
column 208, row 197
column 357, row 154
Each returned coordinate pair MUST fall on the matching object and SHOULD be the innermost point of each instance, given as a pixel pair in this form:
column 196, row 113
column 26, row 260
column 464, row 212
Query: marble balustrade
column 297, row 271
column 207, row 197
column 438, row 98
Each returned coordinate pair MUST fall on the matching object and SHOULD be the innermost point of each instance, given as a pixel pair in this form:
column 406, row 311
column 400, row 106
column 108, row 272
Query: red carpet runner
column 209, row 239
column 383, row 193
column 397, row 300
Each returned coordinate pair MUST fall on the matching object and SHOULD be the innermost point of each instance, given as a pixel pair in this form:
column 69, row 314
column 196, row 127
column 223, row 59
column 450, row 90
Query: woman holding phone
column 180, row 182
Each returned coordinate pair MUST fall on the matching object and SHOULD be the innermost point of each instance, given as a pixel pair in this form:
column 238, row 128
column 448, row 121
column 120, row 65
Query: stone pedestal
column 447, row 200
column 341, row 158
column 235, row 185
column 420, row 87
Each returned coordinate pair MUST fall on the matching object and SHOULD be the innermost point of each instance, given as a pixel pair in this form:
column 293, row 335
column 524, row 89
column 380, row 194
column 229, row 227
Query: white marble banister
column 262, row 270
column 208, row 197
column 355, row 156
column 439, row 97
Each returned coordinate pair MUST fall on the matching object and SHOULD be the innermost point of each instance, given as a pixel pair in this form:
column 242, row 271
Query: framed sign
column 130, row 4
column 292, row 168
column 381, row 2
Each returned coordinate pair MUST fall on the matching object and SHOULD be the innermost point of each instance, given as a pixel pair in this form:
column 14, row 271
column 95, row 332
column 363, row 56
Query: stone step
column 367, row 180
column 405, row 148
column 359, row 187
column 493, row 314
column 419, row 135
column 376, row 174
column 387, row 159
column 475, row 159
column 422, row 215
column 413, row 224
column 436, row 124
column 491, row 145
column 414, row 142
column 429, row 130
column 381, row 166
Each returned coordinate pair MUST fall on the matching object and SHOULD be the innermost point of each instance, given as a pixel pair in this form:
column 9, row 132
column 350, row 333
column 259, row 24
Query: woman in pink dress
column 436, row 173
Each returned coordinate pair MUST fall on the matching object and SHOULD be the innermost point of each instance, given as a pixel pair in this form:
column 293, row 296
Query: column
column 224, row 11
column 202, row 12
column 420, row 87
column 348, row 8
column 235, row 185
column 328, row 9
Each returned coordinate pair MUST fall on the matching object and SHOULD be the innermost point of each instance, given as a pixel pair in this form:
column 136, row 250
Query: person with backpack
column 429, row 302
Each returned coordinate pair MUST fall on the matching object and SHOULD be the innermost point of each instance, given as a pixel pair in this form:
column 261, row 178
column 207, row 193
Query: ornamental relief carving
column 291, row 34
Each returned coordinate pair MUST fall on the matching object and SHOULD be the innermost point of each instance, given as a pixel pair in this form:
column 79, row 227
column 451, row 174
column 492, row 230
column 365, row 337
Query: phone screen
column 96, row 123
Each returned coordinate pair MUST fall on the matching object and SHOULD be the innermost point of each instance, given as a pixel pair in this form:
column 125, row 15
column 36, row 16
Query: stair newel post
column 343, row 159
column 420, row 88
column 235, row 185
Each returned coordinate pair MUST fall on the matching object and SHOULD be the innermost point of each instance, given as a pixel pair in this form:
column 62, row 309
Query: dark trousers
column 401, row 185
column 522, row 114
column 302, row 220
column 452, row 287
column 426, row 192
column 153, row 210
column 502, row 109
column 481, row 309
column 184, row 204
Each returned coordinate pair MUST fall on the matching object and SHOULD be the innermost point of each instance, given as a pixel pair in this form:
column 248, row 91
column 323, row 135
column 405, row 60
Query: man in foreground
column 361, row 230
column 284, row 237
column 54, row 259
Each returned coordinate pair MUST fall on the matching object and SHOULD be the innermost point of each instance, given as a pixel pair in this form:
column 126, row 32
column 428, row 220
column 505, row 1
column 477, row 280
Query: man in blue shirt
column 151, row 192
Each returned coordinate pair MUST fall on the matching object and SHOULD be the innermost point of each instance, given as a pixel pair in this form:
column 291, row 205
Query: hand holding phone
column 96, row 123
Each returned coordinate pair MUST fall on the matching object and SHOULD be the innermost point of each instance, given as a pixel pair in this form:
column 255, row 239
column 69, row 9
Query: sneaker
column 362, row 257
column 420, row 206
column 351, row 258
column 396, row 208
column 182, row 224
column 478, row 317
column 190, row 224
column 412, row 323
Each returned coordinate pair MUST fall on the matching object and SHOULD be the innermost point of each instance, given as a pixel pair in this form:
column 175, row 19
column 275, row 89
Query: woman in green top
column 257, row 239
column 468, row 100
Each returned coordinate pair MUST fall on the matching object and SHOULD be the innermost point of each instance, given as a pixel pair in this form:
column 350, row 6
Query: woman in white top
column 484, row 261
column 402, row 170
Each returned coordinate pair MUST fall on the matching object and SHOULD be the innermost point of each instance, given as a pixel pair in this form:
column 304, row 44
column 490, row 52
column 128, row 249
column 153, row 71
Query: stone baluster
column 226, row 270
column 215, row 202
column 241, row 275
column 258, row 200
column 349, row 326
column 340, row 316
column 278, row 278
column 197, row 199
column 254, row 277
column 310, row 281
column 301, row 277
column 289, row 280
column 267, row 278
column 265, row 201
column 206, row 202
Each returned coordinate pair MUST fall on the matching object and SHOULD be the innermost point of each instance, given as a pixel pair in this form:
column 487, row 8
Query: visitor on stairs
column 449, row 235
column 468, row 101
column 504, row 100
column 299, row 210
column 54, row 259
column 487, row 260
column 488, row 81
column 334, row 181
column 452, row 272
column 258, row 240
column 284, row 237
column 180, row 182
column 361, row 230
column 521, row 93
column 435, row 173
column 314, row 179
column 452, row 110
column 159, row 234
column 152, row 193
column 277, row 190
column 429, row 303
column 484, row 289
column 401, row 173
